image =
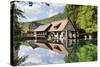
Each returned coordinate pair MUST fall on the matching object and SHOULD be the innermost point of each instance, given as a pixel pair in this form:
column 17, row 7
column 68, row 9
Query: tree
column 15, row 12
column 87, row 19
column 71, row 12
column 86, row 52
column 83, row 17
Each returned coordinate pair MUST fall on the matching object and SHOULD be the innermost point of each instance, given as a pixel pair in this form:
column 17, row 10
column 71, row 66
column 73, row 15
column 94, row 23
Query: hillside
column 26, row 25
column 29, row 26
column 53, row 18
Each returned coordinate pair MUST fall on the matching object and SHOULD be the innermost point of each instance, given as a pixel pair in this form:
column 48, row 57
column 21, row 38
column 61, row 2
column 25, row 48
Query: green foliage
column 86, row 51
column 87, row 18
column 16, row 29
column 84, row 17
column 15, row 12
column 71, row 12
column 71, row 58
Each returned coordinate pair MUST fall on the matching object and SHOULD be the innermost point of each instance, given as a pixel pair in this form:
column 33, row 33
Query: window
column 57, row 26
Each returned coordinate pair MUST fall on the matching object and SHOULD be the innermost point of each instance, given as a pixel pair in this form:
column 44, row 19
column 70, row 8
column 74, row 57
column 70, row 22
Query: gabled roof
column 53, row 26
column 42, row 27
column 58, row 25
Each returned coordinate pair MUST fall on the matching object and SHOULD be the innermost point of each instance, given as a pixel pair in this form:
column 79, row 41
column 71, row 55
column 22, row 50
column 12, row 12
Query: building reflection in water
column 60, row 46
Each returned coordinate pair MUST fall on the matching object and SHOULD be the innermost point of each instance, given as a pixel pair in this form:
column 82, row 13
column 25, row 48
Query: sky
column 39, row 10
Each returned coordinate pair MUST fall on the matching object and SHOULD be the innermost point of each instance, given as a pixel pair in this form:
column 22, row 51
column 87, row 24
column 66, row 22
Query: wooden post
column 66, row 39
column 35, row 35
column 57, row 37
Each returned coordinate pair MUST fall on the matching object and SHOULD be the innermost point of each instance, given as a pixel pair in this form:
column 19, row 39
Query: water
column 45, row 52
column 42, row 52
column 39, row 56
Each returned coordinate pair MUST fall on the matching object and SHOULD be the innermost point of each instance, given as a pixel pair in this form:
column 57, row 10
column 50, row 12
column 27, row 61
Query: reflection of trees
column 15, row 13
column 82, row 52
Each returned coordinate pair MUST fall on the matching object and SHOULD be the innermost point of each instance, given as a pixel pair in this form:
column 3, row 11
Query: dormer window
column 57, row 26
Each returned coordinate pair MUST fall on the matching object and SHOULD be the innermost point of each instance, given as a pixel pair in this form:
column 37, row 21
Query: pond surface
column 42, row 52
column 39, row 56
column 46, row 53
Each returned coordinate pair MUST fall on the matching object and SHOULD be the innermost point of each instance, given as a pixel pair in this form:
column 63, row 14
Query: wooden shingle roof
column 53, row 26
column 42, row 27
column 58, row 25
